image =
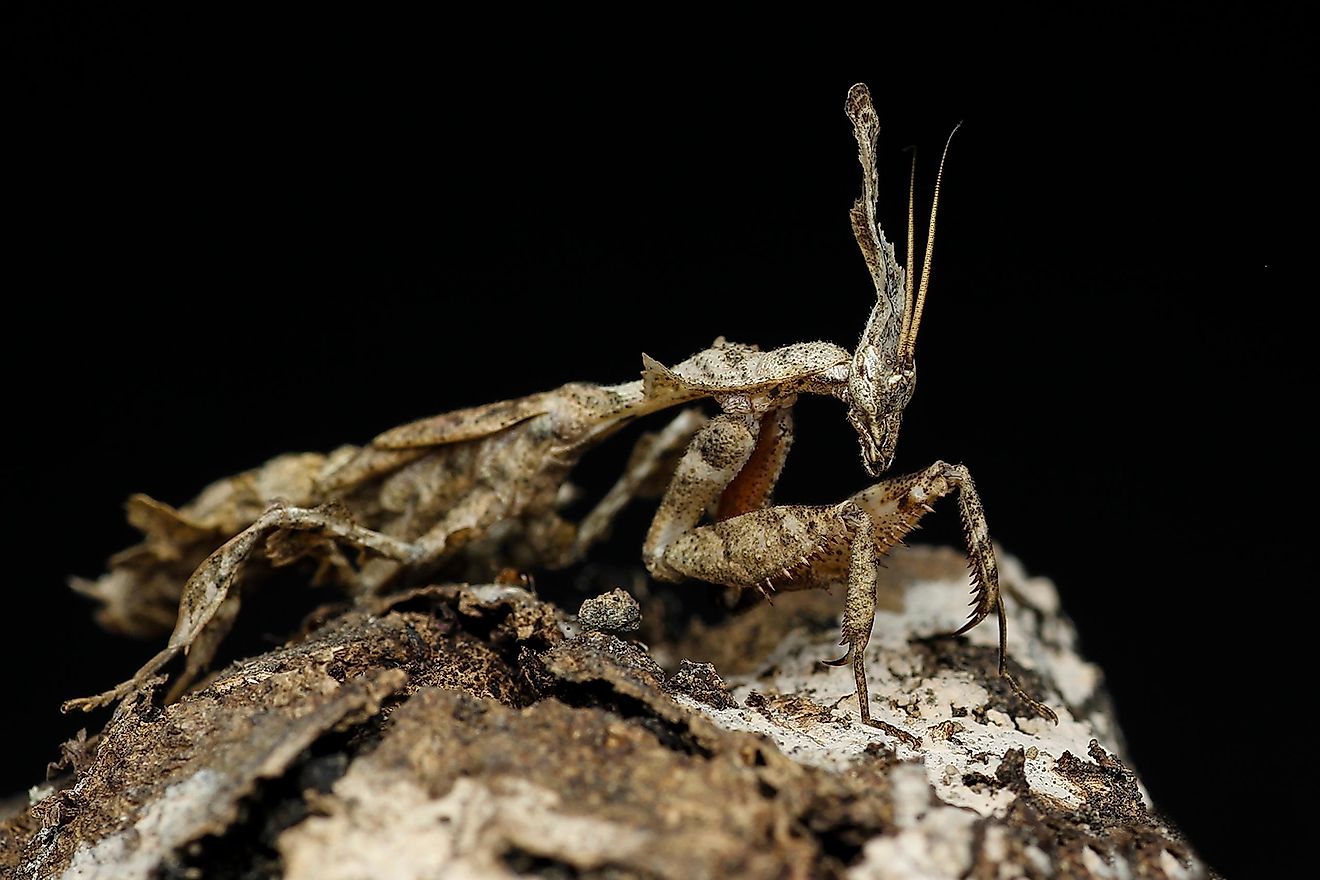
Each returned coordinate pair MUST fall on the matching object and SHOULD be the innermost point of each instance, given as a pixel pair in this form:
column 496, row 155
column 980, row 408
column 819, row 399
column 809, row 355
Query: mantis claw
column 842, row 661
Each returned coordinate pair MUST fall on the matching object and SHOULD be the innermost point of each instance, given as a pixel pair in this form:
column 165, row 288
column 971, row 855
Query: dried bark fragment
column 615, row 611
column 164, row 778
column 701, row 682
column 468, row 786
column 992, row 788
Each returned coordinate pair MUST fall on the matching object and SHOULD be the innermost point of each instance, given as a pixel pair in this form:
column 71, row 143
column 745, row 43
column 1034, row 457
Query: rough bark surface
column 461, row 731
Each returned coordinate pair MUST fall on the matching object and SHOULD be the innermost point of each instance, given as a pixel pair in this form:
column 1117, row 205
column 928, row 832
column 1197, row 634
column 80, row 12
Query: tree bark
column 477, row 731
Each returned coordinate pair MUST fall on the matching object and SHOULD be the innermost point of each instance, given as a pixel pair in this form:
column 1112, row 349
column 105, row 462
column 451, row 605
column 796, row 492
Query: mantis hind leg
column 207, row 606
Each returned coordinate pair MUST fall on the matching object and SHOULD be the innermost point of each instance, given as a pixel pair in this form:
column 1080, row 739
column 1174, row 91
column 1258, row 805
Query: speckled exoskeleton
column 423, row 493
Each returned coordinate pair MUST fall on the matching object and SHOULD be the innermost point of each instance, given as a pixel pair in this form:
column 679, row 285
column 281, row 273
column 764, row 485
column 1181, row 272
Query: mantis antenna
column 909, row 340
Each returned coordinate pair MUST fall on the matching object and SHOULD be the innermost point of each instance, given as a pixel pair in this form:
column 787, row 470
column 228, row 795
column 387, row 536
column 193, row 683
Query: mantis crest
column 471, row 484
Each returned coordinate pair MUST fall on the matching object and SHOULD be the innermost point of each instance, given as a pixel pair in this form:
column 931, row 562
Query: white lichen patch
column 934, row 841
column 1102, row 869
column 383, row 826
column 165, row 823
column 1175, row 869
column 1074, row 677
column 949, row 709
column 1036, row 592
column 493, row 594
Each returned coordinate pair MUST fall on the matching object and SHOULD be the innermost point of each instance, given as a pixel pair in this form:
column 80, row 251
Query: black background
column 231, row 239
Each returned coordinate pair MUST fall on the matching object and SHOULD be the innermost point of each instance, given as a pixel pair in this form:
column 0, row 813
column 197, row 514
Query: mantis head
column 883, row 371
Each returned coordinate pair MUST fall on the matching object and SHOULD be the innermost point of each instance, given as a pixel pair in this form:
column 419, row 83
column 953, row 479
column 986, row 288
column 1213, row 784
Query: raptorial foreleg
column 859, row 613
column 729, row 470
column 712, row 461
column 902, row 501
column 798, row 546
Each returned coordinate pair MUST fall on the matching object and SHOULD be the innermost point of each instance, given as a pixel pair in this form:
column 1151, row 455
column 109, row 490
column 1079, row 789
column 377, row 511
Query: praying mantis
column 420, row 495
